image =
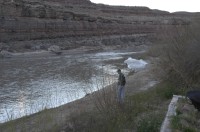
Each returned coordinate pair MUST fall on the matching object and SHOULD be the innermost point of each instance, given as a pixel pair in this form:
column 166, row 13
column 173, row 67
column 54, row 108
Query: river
column 32, row 83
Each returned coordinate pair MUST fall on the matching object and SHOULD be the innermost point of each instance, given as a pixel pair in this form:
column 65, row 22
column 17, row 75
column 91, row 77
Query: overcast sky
column 167, row 5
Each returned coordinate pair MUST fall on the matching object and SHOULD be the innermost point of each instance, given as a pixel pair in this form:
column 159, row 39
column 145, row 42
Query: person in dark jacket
column 121, row 86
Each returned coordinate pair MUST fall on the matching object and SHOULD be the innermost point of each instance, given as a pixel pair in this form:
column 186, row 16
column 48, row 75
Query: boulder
column 5, row 54
column 55, row 49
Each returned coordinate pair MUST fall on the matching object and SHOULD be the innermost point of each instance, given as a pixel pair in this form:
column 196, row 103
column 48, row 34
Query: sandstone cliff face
column 47, row 19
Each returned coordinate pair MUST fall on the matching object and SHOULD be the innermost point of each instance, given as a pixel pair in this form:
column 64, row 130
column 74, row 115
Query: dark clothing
column 194, row 96
column 121, row 80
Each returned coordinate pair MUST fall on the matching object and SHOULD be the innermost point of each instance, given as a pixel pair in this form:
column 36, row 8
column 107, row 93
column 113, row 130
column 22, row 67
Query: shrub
column 180, row 59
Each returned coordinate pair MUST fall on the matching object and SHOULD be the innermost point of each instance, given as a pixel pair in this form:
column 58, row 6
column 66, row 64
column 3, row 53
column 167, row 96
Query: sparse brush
column 180, row 59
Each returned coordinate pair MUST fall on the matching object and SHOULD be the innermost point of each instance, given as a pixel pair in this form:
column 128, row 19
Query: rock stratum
column 37, row 24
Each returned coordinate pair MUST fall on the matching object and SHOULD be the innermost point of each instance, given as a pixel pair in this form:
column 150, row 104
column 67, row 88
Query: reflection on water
column 30, row 84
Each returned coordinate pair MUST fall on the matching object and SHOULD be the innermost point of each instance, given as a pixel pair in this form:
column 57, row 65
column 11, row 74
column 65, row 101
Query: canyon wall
column 27, row 20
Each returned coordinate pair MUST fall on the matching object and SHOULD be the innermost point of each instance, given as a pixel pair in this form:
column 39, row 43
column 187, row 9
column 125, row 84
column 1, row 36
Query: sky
column 166, row 5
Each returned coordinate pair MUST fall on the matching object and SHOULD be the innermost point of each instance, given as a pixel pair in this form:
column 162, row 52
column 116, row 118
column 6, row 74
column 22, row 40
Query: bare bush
column 180, row 58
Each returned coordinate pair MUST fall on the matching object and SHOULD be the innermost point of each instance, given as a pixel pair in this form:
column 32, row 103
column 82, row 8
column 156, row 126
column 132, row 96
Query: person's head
column 119, row 71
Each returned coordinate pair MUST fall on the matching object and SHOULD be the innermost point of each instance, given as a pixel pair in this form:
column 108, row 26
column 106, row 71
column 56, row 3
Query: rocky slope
column 29, row 20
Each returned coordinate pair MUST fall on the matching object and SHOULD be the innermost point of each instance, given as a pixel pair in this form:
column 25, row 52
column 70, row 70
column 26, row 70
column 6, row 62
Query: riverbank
column 44, row 53
column 75, row 51
column 90, row 43
column 57, row 117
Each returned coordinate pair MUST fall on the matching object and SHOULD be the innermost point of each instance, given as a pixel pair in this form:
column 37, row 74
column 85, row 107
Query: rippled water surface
column 32, row 83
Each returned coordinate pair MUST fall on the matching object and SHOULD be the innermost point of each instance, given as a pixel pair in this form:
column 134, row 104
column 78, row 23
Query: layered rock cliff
column 28, row 20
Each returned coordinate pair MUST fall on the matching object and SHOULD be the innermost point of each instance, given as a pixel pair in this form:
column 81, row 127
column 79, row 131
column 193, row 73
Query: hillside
column 30, row 20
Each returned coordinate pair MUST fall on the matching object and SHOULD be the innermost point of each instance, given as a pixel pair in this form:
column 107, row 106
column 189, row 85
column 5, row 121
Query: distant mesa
column 41, row 21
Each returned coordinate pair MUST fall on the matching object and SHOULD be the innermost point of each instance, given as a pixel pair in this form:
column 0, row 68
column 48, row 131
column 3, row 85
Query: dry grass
column 143, row 111
column 187, row 118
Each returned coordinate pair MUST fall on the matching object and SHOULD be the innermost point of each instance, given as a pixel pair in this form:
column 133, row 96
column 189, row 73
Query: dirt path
column 51, row 119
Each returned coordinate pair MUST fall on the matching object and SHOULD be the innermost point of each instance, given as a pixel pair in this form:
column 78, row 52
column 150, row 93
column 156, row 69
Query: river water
column 30, row 83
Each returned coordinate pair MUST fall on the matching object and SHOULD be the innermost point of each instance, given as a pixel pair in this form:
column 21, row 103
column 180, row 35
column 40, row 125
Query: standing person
column 121, row 86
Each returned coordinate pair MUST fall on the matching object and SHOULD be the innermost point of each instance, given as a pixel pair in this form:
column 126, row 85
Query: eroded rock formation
column 28, row 20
